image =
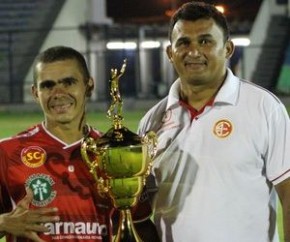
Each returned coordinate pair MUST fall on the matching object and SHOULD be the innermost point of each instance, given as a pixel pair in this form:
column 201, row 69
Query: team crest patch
column 42, row 188
column 223, row 128
column 33, row 156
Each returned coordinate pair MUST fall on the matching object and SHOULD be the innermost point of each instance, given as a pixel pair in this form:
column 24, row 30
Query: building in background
column 107, row 32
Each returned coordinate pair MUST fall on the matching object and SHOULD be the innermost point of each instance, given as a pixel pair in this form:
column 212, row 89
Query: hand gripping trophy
column 121, row 162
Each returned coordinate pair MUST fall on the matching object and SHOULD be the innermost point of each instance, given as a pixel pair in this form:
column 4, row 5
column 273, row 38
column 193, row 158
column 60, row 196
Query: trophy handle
column 150, row 140
column 90, row 145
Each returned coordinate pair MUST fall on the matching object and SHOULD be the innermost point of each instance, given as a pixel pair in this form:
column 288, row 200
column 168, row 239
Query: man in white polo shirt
column 223, row 143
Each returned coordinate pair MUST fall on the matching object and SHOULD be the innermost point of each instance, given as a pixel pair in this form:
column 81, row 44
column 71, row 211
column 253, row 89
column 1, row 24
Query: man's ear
column 90, row 87
column 34, row 93
column 169, row 53
column 230, row 48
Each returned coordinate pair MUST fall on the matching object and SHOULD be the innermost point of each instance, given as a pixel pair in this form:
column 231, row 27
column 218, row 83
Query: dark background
column 147, row 11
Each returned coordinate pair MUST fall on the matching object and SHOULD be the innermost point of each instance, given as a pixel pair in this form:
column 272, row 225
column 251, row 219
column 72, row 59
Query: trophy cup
column 120, row 161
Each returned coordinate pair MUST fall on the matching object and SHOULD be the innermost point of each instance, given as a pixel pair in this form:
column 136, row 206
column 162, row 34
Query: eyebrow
column 184, row 38
column 205, row 36
column 52, row 82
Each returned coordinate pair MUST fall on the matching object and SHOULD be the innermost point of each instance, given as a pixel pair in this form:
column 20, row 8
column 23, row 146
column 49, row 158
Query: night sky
column 146, row 10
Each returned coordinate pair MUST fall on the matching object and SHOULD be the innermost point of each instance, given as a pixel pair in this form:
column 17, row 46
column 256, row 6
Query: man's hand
column 24, row 222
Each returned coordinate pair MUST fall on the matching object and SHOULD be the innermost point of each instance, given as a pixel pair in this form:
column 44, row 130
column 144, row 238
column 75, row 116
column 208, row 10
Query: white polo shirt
column 215, row 173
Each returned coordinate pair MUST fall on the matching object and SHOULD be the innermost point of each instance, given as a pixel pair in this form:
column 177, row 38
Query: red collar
column 193, row 112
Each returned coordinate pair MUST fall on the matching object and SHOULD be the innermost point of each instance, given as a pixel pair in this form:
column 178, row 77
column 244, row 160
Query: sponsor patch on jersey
column 42, row 188
column 223, row 128
column 33, row 156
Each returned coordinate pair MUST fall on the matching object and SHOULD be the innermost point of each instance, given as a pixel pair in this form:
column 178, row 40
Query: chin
column 64, row 119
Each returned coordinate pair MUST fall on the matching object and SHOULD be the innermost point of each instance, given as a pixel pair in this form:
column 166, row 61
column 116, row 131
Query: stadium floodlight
column 150, row 44
column 241, row 41
column 116, row 45
column 131, row 45
column 220, row 8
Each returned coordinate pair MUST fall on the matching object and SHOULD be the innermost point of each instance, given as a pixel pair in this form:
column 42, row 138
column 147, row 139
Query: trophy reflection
column 120, row 161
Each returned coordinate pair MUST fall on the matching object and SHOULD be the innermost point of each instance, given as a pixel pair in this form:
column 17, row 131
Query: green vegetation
column 12, row 123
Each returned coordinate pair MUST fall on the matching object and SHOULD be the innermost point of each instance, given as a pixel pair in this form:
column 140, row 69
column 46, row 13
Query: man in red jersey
column 46, row 190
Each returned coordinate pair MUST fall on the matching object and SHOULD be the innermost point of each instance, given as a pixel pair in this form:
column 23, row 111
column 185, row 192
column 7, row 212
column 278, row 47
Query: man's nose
column 193, row 50
column 59, row 88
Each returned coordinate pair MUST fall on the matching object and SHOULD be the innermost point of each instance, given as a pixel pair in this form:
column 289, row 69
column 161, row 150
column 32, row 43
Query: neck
column 198, row 95
column 68, row 133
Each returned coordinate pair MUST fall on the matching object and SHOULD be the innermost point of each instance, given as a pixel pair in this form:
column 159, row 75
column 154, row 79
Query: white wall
column 66, row 32
column 257, row 38
column 258, row 35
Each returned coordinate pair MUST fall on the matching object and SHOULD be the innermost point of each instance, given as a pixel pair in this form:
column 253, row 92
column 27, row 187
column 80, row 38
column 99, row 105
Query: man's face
column 198, row 51
column 61, row 91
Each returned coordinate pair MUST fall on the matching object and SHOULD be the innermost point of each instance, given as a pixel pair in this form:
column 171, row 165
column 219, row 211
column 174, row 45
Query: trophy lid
column 118, row 138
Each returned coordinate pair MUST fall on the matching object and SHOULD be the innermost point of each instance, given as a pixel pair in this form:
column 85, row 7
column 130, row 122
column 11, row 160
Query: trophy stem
column 126, row 230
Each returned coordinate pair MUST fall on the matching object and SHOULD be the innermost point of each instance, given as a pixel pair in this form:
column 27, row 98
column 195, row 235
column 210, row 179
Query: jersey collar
column 89, row 130
column 228, row 93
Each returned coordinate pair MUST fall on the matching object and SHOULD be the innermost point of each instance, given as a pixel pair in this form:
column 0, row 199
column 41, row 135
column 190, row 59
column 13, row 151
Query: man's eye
column 204, row 41
column 69, row 81
column 183, row 43
column 47, row 85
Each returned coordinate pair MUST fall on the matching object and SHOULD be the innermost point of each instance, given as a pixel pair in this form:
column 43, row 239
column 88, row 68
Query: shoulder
column 248, row 92
column 155, row 110
column 153, row 117
column 255, row 89
column 27, row 134
column 12, row 147
column 262, row 101
column 254, row 92
column 94, row 132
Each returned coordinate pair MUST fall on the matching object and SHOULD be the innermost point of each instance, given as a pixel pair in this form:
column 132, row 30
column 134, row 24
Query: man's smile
column 61, row 107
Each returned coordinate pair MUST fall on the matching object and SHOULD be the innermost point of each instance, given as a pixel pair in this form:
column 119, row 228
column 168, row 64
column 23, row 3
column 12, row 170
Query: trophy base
column 126, row 230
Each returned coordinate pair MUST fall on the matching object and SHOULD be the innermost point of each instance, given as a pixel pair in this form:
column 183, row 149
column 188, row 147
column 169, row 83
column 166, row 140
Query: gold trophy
column 120, row 161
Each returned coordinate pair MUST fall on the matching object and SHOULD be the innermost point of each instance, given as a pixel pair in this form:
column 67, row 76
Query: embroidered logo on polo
column 168, row 120
column 167, row 116
column 33, row 156
column 223, row 128
column 42, row 188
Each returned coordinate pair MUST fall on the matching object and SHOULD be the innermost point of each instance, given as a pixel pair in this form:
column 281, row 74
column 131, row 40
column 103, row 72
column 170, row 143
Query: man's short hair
column 193, row 11
column 59, row 53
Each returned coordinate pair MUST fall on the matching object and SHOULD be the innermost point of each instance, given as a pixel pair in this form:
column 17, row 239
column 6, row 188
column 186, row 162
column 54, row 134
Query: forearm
column 147, row 231
column 283, row 190
column 286, row 222
column 2, row 226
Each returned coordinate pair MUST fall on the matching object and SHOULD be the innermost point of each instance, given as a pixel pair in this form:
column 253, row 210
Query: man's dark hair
column 193, row 11
column 59, row 53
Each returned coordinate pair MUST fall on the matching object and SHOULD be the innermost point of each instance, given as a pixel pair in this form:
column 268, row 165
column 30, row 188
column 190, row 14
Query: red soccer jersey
column 59, row 178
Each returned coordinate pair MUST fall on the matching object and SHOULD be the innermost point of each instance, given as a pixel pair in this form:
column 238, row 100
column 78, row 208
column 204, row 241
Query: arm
column 283, row 190
column 145, row 228
column 147, row 231
column 24, row 222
